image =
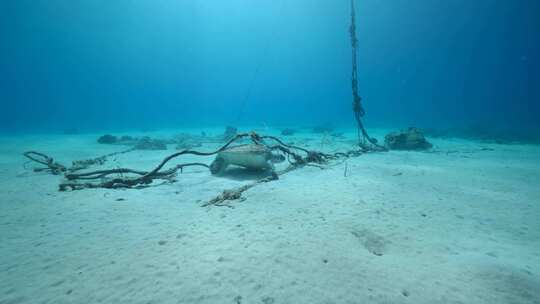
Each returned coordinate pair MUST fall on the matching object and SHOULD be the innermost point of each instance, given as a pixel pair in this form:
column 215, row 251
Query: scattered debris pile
column 410, row 139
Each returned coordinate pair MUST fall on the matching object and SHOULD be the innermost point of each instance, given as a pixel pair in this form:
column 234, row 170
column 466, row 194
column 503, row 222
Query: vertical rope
column 358, row 110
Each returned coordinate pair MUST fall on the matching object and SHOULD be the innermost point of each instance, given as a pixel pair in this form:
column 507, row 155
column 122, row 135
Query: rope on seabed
column 141, row 179
column 49, row 163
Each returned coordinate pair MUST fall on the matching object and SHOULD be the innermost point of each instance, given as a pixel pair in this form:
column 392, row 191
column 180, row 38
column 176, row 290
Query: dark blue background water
column 96, row 64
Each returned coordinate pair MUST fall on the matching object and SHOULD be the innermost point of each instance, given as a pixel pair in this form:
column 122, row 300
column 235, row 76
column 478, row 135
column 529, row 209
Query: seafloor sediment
column 457, row 224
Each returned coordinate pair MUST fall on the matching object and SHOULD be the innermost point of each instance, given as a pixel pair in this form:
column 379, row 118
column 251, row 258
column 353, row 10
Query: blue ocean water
column 95, row 209
column 105, row 65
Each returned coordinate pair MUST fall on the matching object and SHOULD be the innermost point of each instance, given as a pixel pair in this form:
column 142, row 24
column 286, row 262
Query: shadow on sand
column 243, row 174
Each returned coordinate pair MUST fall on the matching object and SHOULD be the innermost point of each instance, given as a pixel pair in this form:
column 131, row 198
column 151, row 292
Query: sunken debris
column 409, row 139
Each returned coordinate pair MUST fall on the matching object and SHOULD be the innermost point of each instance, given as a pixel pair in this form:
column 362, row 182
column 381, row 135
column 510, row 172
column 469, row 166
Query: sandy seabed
column 459, row 224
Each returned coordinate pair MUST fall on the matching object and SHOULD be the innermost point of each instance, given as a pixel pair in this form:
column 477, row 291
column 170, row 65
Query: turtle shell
column 248, row 149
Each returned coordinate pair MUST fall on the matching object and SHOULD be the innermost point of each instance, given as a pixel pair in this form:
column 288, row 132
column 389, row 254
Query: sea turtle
column 250, row 156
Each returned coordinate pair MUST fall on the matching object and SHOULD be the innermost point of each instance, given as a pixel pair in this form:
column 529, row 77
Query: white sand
column 401, row 227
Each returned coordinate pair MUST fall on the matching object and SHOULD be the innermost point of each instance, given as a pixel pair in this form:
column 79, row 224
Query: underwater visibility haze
column 269, row 151
column 97, row 65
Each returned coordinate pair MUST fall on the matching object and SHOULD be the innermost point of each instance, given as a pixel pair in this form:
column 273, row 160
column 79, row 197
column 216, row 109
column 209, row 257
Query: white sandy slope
column 461, row 225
